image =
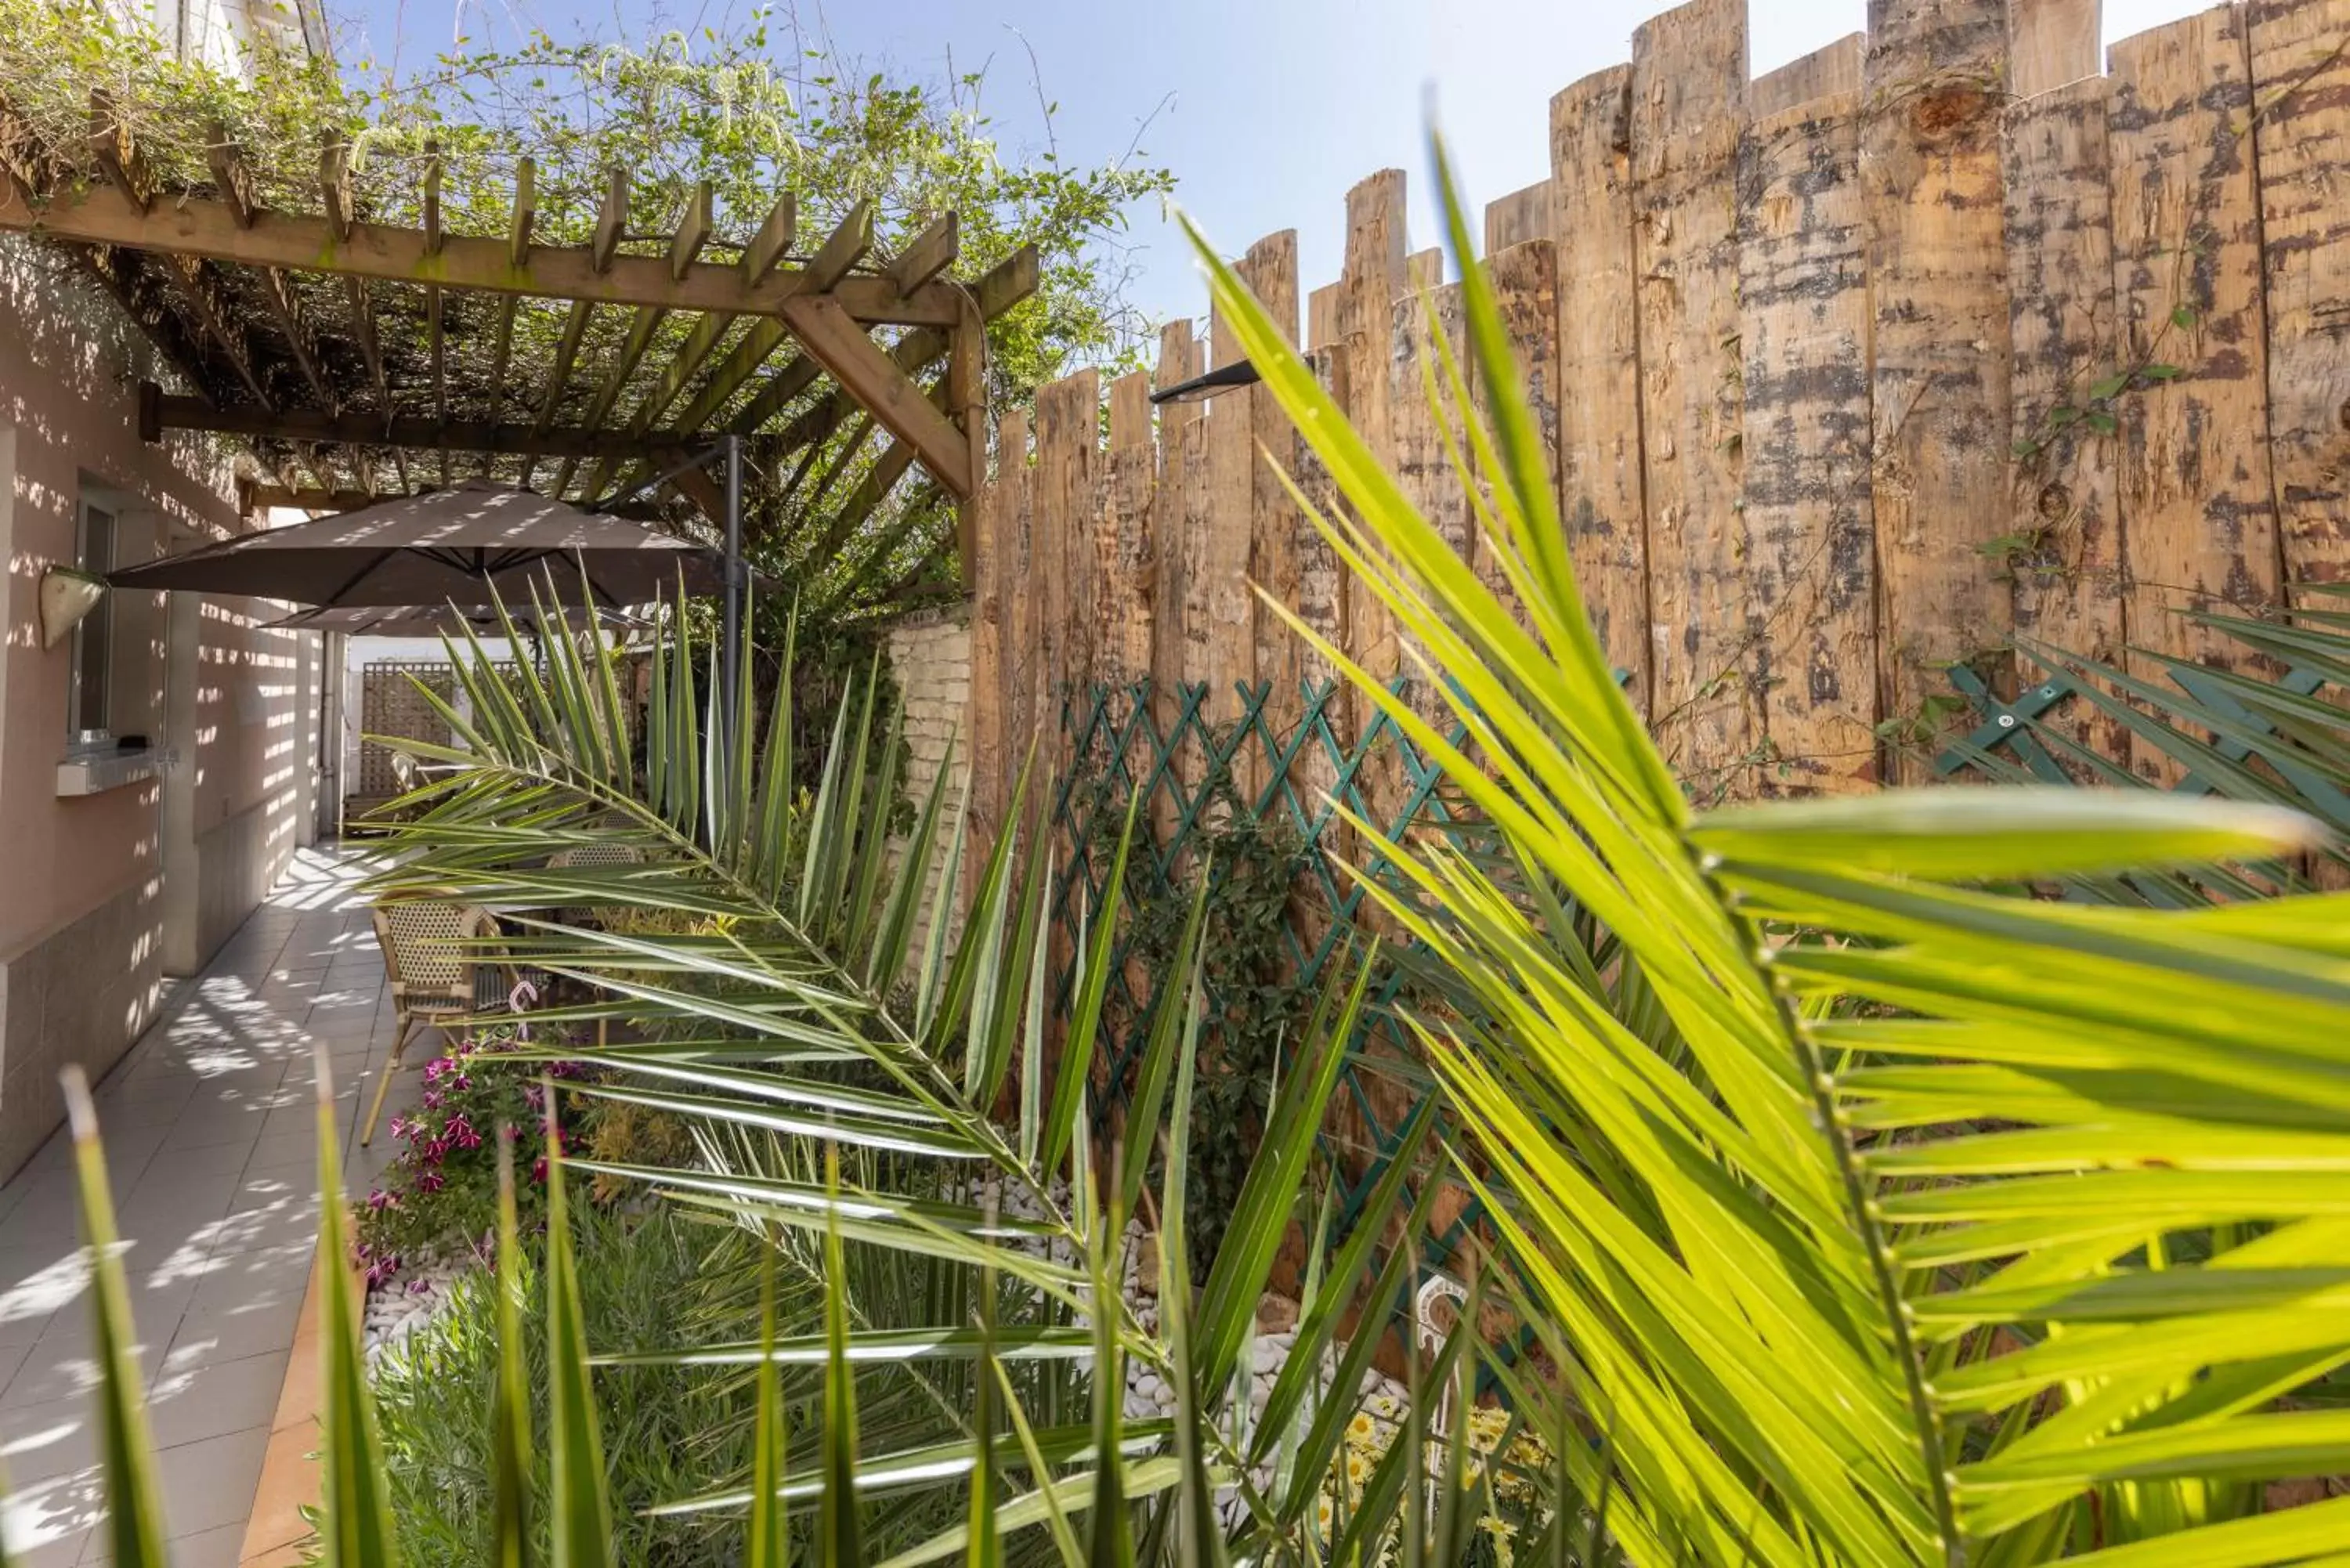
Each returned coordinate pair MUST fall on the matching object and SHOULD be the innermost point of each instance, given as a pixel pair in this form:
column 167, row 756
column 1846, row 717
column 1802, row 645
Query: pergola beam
column 337, row 243
column 317, row 498
column 932, row 252
column 868, row 375
column 160, row 412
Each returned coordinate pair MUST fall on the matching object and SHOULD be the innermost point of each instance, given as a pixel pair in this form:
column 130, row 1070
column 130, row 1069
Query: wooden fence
column 1935, row 342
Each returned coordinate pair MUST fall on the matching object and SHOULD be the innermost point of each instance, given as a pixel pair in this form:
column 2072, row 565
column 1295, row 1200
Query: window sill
column 96, row 772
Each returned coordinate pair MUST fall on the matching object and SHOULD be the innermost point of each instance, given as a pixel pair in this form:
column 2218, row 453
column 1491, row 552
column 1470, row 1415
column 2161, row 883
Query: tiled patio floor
column 211, row 1143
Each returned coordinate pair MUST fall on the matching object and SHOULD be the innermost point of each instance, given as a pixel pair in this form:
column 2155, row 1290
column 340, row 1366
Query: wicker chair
column 434, row 975
column 589, row 857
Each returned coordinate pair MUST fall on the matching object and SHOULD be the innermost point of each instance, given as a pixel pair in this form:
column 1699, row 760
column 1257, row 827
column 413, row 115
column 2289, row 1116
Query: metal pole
column 731, row 675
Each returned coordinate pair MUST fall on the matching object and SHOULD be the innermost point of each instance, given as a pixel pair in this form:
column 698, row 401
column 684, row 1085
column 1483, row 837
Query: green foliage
column 1247, row 871
column 665, row 1428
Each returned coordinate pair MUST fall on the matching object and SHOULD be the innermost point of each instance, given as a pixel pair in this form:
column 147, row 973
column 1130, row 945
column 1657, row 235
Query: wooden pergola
column 272, row 320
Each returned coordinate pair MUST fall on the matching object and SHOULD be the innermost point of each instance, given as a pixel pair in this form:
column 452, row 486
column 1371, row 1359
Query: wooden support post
column 2062, row 513
column 1601, row 467
column 1689, row 78
column 2198, row 503
column 2301, row 84
column 1929, row 160
column 1804, row 327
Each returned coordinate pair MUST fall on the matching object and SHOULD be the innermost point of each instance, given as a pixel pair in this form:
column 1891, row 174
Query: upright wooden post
column 1423, row 468
column 1804, row 325
column 1929, row 160
column 1022, row 617
column 2300, row 82
column 1270, row 269
column 1374, row 276
column 1688, row 81
column 2064, row 517
column 1181, row 491
column 1124, row 603
column 2198, row 513
column 1068, row 436
column 1600, row 464
column 1526, row 287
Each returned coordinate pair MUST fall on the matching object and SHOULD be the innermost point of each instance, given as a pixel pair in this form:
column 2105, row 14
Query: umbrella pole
column 731, row 665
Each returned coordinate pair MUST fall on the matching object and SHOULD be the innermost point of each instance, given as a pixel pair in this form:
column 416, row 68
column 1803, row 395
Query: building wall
column 97, row 888
column 931, row 656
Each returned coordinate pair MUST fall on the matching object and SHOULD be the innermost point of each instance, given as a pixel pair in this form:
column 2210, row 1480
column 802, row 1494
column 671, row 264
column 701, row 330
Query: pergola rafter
column 343, row 347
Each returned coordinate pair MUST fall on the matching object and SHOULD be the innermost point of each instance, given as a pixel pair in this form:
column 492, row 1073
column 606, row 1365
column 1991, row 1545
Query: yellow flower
column 1360, row 1427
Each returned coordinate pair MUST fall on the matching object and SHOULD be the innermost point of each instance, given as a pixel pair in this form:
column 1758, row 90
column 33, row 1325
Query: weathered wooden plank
column 989, row 770
column 2063, row 545
column 2050, row 43
column 1522, row 215
column 1022, row 599
column 1219, row 632
column 1270, row 269
column 1178, row 361
column 2199, row 514
column 1526, row 287
column 2301, row 84
column 1831, row 71
column 1321, row 598
column 1374, row 274
column 1068, row 435
column 1183, row 473
column 1689, row 77
column 1423, row 419
column 1938, row 264
column 1122, row 601
column 1600, row 467
column 1423, row 269
column 1803, row 326
column 1322, row 314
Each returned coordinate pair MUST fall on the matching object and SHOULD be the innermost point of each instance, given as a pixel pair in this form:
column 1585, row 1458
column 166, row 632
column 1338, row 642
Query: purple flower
column 380, row 1199
column 431, row 1181
column 538, row 1170
column 402, row 1127
column 382, row 1270
column 534, row 1097
column 420, row 1287
column 461, row 1132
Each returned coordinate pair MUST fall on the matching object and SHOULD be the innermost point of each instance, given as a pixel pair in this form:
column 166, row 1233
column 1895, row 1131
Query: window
column 90, row 706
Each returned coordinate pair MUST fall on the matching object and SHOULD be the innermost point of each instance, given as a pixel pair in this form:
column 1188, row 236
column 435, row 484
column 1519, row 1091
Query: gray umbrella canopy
column 358, row 621
column 454, row 545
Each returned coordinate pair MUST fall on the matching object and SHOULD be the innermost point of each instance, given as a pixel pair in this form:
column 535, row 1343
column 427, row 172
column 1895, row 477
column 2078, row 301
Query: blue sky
column 1265, row 109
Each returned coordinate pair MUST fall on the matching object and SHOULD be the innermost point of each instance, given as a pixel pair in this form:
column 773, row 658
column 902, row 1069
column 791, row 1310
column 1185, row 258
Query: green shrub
column 667, row 1431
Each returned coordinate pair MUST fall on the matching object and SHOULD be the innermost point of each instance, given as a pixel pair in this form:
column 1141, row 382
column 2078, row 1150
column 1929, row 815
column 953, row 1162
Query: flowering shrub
column 440, row 1189
column 1498, row 1475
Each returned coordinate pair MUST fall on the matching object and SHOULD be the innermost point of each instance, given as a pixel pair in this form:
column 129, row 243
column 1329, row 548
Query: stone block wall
column 931, row 657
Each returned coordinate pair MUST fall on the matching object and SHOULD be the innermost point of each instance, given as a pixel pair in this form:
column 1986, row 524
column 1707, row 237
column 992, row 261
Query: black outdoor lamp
column 1200, row 388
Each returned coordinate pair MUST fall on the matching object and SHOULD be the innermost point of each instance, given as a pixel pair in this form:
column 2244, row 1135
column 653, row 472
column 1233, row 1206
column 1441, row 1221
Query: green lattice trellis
column 1193, row 768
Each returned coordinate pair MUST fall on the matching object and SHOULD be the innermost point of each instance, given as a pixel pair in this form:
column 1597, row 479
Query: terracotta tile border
column 275, row 1531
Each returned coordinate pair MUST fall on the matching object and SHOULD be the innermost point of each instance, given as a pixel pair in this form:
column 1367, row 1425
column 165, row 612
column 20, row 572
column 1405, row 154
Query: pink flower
column 382, row 1269
column 402, row 1127
column 380, row 1199
column 431, row 1181
column 538, row 1169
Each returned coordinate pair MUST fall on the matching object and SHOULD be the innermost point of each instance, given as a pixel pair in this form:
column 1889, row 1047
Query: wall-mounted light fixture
column 68, row 594
column 1200, row 388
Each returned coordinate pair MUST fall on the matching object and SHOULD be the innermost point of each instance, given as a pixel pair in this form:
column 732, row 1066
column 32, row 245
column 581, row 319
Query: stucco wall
column 931, row 656
column 84, row 916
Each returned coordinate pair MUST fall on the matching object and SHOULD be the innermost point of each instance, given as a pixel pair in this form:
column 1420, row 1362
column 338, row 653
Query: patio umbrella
column 359, row 621
column 446, row 546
